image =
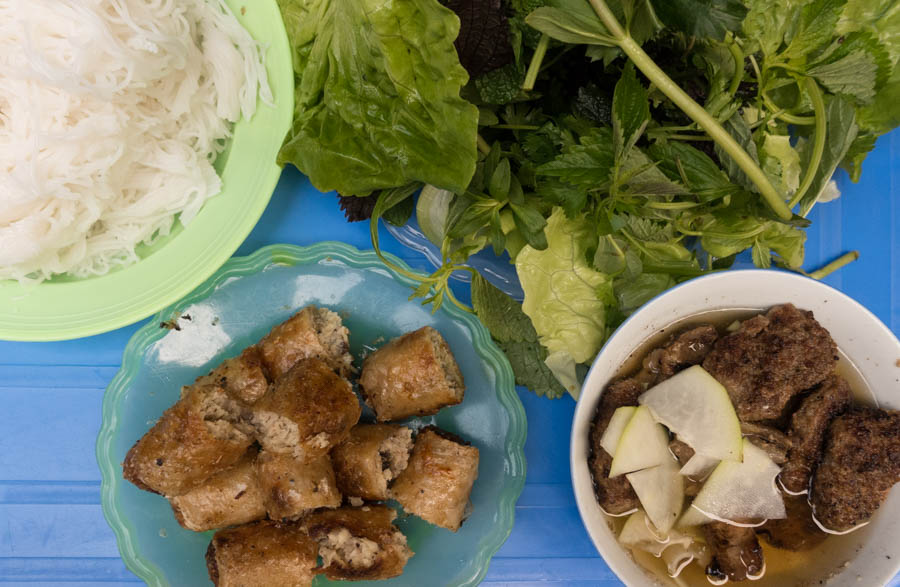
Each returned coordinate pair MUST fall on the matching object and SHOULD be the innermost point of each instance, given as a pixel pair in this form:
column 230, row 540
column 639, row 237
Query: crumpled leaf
column 483, row 41
column 842, row 130
column 377, row 106
column 561, row 289
column 706, row 19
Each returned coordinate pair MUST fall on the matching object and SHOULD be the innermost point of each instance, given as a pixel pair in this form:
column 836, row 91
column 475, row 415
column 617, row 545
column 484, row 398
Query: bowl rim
column 284, row 254
column 75, row 308
column 621, row 562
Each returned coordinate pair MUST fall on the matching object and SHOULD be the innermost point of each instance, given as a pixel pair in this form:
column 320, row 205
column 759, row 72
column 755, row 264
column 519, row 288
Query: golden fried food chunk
column 438, row 480
column 266, row 553
column 372, row 457
column 311, row 332
column 358, row 543
column 292, row 487
column 307, row 412
column 413, row 375
column 229, row 498
column 202, row 434
column 243, row 376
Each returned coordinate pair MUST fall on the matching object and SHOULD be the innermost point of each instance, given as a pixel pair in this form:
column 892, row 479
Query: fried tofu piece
column 438, row 480
column 412, row 375
column 266, row 553
column 243, row 376
column 861, row 464
column 201, row 435
column 736, row 552
column 372, row 457
column 291, row 487
column 807, row 433
column 228, row 498
column 770, row 359
column 311, row 332
column 307, row 412
column 358, row 543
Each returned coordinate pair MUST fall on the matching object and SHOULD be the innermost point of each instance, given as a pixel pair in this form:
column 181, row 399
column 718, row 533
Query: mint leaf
column 515, row 335
column 853, row 66
column 569, row 197
column 588, row 164
column 817, row 23
column 706, row 19
column 571, row 21
column 700, row 174
column 631, row 111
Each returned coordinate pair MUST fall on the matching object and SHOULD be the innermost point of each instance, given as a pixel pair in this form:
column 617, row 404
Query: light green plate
column 65, row 308
column 234, row 309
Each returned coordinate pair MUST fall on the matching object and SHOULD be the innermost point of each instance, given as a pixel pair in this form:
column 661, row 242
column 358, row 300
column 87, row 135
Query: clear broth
column 784, row 568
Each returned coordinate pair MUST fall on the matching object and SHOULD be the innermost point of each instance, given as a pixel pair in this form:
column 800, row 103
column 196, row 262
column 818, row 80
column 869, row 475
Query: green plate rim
column 285, row 254
column 173, row 271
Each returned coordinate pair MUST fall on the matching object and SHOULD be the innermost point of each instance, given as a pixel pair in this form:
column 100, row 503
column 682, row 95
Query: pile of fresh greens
column 611, row 147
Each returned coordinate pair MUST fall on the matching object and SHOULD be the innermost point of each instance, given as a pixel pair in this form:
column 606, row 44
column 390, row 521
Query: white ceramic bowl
column 864, row 340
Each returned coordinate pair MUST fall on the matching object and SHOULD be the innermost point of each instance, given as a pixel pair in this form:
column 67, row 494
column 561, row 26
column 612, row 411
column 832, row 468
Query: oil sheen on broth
column 784, row 568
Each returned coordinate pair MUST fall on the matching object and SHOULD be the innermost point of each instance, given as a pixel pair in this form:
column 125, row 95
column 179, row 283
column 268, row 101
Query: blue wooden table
column 51, row 526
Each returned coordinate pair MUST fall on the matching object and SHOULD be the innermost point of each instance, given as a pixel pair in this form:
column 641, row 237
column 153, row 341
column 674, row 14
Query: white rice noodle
column 112, row 113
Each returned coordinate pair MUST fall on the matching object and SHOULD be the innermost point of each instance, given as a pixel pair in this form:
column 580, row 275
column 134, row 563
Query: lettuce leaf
column 561, row 289
column 377, row 95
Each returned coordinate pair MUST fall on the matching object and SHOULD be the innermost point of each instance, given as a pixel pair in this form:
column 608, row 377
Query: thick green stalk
column 535, row 66
column 694, row 110
column 815, row 96
column 844, row 259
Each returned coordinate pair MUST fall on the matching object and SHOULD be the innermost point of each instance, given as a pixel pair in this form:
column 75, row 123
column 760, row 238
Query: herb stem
column 830, row 268
column 694, row 110
column 678, row 137
column 738, row 56
column 786, row 116
column 483, row 145
column 535, row 66
column 815, row 95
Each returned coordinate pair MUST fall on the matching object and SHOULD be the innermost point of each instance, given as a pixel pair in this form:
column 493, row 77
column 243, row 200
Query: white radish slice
column 638, row 532
column 610, row 439
column 661, row 491
column 699, row 466
column 739, row 491
column 643, row 444
column 696, row 407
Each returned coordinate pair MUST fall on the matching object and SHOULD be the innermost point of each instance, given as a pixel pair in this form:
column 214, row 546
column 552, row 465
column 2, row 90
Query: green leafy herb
column 377, row 105
column 701, row 18
column 513, row 332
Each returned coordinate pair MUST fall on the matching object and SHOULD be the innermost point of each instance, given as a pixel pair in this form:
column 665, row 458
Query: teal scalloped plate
column 235, row 308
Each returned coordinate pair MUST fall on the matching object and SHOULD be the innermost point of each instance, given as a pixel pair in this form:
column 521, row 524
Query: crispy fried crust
column 370, row 458
column 196, row 438
column 770, row 359
column 861, row 464
column 291, row 487
column 228, row 498
column 358, row 543
column 413, row 375
column 307, row 412
column 243, row 376
column 311, row 332
column 267, row 553
column 438, row 480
